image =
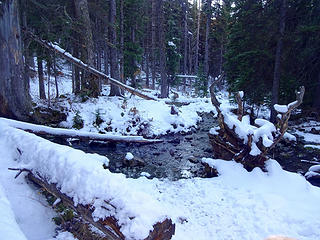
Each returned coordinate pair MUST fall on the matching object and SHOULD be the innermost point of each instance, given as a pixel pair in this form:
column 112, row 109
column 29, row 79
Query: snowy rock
column 131, row 161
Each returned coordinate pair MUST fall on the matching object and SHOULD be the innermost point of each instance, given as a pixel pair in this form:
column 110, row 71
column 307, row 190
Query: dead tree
column 77, row 62
column 235, row 139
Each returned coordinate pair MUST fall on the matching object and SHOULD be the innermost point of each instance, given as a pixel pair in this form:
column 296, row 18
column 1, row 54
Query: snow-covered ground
column 235, row 205
column 126, row 116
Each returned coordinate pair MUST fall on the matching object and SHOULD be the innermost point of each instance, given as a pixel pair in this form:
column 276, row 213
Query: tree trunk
column 87, row 53
column 40, row 77
column 121, row 42
column 206, row 50
column 164, row 81
column 316, row 101
column 277, row 63
column 55, row 75
column 49, row 75
column 15, row 100
column 196, row 61
column 185, row 36
column 114, row 68
column 153, row 42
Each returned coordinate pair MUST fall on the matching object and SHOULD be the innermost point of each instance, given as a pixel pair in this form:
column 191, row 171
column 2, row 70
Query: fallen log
column 71, row 133
column 161, row 231
column 237, row 139
column 63, row 53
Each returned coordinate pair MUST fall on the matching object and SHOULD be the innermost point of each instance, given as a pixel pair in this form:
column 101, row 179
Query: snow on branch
column 237, row 139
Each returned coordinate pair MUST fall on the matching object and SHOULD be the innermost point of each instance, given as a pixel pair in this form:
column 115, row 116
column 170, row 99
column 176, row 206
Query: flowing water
column 179, row 156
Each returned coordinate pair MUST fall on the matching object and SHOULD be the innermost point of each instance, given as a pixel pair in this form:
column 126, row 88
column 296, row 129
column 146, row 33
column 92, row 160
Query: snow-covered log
column 109, row 201
column 71, row 133
column 109, row 226
column 237, row 139
column 63, row 53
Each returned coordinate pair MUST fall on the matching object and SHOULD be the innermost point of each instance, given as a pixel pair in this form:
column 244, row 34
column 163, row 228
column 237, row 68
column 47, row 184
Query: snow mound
column 82, row 177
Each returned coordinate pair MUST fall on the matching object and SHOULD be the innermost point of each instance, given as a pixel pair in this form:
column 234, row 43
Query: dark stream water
column 179, row 156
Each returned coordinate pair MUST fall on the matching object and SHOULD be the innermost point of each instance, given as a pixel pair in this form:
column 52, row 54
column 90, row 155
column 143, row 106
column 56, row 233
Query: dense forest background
column 266, row 48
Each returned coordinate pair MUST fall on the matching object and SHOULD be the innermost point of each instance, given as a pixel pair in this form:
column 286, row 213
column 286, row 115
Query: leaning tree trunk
column 14, row 95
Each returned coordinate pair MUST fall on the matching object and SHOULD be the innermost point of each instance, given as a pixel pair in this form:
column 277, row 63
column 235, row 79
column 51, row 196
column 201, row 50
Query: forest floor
column 236, row 205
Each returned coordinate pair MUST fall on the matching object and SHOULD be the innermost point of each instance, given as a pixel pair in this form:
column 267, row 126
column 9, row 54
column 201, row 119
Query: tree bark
column 55, row 75
column 206, row 50
column 316, row 104
column 15, row 100
column 114, row 68
column 87, row 52
column 40, row 77
column 185, row 36
column 196, row 61
column 49, row 75
column 162, row 49
column 277, row 63
column 121, row 42
column 153, row 42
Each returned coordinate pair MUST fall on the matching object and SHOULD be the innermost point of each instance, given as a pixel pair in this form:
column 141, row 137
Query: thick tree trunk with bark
column 114, row 67
column 89, row 82
column 277, row 63
column 14, row 95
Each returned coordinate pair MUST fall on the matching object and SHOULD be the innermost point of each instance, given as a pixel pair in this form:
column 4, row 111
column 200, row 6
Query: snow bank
column 82, row 177
column 9, row 229
column 239, row 204
column 135, row 116
column 314, row 171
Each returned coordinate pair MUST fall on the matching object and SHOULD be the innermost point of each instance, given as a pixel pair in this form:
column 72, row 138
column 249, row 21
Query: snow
column 214, row 131
column 281, row 108
column 289, row 137
column 129, row 156
column 241, row 93
column 309, row 137
column 312, row 146
column 171, row 44
column 135, row 116
column 68, row 132
column 239, row 204
column 9, row 229
column 314, row 171
column 82, row 177
column 236, row 205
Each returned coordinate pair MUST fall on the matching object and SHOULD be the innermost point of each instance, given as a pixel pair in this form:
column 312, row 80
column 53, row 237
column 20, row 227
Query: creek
column 179, row 155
